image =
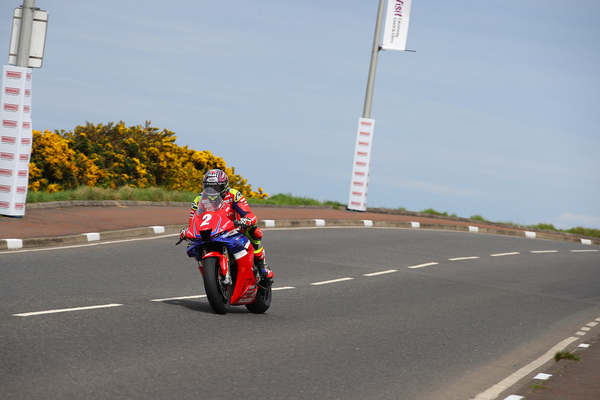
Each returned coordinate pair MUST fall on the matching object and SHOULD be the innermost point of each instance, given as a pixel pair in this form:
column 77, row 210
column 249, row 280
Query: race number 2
column 206, row 219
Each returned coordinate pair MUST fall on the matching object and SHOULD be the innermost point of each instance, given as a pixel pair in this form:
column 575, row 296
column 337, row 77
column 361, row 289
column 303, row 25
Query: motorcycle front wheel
column 219, row 295
column 262, row 302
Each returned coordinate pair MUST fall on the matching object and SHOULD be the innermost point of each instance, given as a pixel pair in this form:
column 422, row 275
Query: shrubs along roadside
column 114, row 156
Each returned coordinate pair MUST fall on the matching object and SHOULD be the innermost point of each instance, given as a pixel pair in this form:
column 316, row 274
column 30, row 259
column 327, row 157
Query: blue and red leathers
column 240, row 210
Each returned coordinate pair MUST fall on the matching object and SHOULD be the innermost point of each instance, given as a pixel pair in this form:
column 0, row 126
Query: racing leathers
column 239, row 210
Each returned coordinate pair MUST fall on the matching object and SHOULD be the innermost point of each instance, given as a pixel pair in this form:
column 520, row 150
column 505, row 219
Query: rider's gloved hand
column 182, row 234
column 245, row 222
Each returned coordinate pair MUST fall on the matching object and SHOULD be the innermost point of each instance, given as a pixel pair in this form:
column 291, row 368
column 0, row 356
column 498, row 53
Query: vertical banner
column 361, row 165
column 15, row 139
column 396, row 25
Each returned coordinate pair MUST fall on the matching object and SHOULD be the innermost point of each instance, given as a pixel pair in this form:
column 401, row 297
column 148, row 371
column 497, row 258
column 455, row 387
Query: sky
column 497, row 113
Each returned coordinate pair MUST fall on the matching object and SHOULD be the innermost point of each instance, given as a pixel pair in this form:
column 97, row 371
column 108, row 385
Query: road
column 359, row 313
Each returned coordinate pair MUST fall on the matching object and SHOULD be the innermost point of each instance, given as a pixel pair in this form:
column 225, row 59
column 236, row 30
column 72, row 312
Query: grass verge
column 122, row 193
column 286, row 199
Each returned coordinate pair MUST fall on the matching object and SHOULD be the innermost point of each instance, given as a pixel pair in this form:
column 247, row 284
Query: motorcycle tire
column 219, row 296
column 262, row 302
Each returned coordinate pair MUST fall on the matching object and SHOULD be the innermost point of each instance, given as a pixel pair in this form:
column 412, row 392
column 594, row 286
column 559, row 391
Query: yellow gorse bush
column 114, row 155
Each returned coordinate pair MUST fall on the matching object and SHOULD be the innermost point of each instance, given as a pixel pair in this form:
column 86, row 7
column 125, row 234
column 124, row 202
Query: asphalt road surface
column 360, row 313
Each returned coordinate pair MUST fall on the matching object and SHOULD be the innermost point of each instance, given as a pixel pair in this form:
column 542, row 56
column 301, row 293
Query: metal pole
column 25, row 33
column 373, row 67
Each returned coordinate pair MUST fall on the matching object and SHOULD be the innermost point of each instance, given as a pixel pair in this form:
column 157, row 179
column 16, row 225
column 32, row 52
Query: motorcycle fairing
column 246, row 294
column 238, row 244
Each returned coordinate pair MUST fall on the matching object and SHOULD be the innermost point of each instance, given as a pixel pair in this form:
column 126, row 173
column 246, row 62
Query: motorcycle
column 225, row 257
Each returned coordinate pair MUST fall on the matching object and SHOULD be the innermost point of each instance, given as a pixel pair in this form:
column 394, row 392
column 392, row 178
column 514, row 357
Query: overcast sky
column 497, row 113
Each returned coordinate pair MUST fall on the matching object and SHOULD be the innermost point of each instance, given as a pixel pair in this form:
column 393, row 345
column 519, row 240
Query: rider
column 218, row 180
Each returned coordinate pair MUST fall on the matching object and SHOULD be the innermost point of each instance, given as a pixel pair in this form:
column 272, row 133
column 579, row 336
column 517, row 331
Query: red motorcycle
column 225, row 257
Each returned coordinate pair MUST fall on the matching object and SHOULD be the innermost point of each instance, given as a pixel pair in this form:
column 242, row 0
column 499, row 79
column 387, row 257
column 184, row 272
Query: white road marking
column 505, row 254
column 381, row 272
column 203, row 295
column 584, row 251
column 181, row 298
column 498, row 388
column 463, row 258
column 66, row 310
column 423, row 265
column 332, row 281
column 580, row 333
column 88, row 244
column 584, row 345
column 544, row 251
column 592, row 324
column 586, row 328
column 542, row 376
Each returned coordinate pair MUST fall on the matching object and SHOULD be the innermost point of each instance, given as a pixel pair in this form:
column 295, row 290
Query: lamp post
column 373, row 67
column 25, row 33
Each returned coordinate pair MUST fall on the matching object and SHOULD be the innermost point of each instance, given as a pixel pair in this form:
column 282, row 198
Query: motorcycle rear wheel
column 219, row 295
column 262, row 302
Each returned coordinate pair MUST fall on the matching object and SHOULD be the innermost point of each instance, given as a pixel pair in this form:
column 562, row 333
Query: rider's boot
column 263, row 269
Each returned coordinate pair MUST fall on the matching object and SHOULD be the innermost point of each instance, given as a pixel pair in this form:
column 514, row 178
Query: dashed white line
column 463, row 258
column 584, row 251
column 423, row 265
column 544, row 251
column 381, row 272
column 505, row 254
column 331, row 281
column 283, row 288
column 65, row 310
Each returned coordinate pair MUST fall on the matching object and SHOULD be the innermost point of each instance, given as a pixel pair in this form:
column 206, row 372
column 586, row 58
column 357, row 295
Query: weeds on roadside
column 434, row 212
column 538, row 386
column 565, row 355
